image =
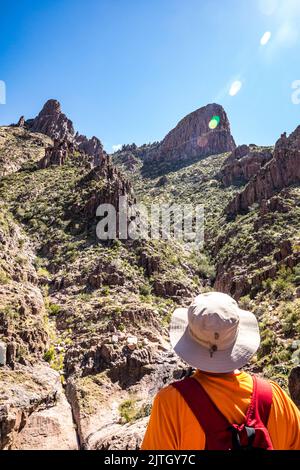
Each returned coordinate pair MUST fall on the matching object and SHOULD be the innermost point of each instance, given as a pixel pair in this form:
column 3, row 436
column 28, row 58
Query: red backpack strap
column 204, row 409
column 261, row 402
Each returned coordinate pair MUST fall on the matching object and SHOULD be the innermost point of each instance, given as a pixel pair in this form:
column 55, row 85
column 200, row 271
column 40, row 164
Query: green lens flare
column 214, row 122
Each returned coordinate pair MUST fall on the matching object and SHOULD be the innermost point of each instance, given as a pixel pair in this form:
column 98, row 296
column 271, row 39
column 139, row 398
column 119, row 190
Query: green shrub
column 145, row 289
column 128, row 410
column 4, row 278
column 54, row 310
column 105, row 290
column 49, row 355
column 268, row 343
column 43, row 272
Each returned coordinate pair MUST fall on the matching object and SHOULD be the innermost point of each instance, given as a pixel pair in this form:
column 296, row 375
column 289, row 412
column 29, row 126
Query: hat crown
column 213, row 320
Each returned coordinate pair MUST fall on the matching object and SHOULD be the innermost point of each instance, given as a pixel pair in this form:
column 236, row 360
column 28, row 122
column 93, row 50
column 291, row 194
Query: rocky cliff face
column 53, row 122
column 206, row 131
column 281, row 171
column 34, row 412
column 22, row 308
column 243, row 163
column 91, row 147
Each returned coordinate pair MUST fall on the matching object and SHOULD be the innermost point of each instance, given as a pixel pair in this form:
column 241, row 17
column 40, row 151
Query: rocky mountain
column 52, row 122
column 282, row 171
column 84, row 323
column 243, row 163
column 205, row 131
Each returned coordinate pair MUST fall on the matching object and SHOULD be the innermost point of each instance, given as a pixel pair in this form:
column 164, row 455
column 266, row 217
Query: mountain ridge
column 103, row 308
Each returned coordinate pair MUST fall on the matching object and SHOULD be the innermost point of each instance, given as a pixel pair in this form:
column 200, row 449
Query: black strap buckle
column 236, row 441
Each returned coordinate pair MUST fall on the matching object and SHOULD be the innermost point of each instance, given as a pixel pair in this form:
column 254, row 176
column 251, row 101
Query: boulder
column 34, row 413
column 131, row 342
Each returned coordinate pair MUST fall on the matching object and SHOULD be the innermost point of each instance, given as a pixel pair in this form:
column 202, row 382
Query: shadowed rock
column 294, row 385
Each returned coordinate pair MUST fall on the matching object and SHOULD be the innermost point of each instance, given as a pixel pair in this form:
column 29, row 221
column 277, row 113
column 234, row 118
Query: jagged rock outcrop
column 239, row 281
column 107, row 274
column 91, row 146
column 112, row 185
column 97, row 404
column 21, row 122
column 281, row 171
column 107, row 305
column 193, row 138
column 54, row 123
column 243, row 164
column 127, row 436
column 34, row 412
column 56, row 155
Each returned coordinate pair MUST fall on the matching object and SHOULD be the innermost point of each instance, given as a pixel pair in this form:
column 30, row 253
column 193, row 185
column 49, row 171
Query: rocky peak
column 203, row 132
column 54, row 123
column 281, row 171
column 51, row 107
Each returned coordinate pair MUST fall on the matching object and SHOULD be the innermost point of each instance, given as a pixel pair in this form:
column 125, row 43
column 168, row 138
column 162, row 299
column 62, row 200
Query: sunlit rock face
column 281, row 171
column 52, row 122
column 203, row 132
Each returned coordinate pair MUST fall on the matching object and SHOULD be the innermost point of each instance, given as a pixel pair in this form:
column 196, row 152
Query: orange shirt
column 173, row 426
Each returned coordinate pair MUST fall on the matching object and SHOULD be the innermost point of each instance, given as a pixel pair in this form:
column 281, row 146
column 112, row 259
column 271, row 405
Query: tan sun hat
column 214, row 334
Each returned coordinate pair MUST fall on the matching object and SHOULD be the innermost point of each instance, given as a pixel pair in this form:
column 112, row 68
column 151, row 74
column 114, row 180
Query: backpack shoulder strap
column 261, row 402
column 204, row 409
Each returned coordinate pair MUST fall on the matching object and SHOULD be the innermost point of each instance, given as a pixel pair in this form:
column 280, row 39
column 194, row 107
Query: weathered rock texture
column 192, row 137
column 97, row 402
column 22, row 308
column 54, row 123
column 34, row 413
column 281, row 171
column 104, row 184
column 91, row 146
column 19, row 147
column 103, row 320
column 294, row 385
column 243, row 164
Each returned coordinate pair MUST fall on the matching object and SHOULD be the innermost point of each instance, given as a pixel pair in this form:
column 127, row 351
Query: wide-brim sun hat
column 213, row 334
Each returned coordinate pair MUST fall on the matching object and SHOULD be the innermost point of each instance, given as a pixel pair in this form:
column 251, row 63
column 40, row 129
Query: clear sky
column 128, row 70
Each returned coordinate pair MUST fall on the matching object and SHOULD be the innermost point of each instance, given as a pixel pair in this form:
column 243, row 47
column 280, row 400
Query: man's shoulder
column 167, row 393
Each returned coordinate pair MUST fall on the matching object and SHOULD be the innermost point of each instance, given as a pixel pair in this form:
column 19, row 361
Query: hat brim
column 196, row 355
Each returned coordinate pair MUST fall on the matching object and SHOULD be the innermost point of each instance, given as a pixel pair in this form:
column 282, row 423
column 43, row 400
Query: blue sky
column 128, row 70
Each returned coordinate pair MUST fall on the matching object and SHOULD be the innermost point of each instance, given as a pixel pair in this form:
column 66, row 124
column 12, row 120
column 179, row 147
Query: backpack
column 222, row 435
